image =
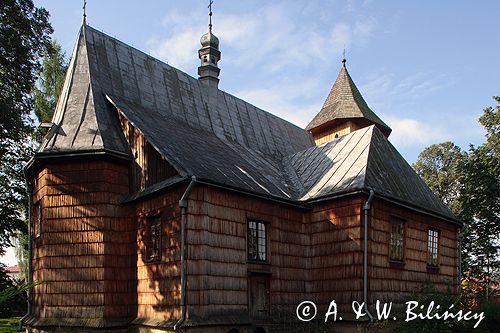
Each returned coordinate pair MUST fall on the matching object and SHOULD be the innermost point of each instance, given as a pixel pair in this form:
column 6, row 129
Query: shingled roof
column 345, row 102
column 103, row 65
column 205, row 132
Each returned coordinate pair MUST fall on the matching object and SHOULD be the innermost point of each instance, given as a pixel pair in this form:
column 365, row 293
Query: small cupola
column 209, row 55
column 343, row 112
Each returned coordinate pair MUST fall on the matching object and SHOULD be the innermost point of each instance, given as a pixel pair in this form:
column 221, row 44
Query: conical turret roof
column 345, row 102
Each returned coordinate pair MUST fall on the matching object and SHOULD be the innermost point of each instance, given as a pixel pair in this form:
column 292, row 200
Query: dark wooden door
column 259, row 295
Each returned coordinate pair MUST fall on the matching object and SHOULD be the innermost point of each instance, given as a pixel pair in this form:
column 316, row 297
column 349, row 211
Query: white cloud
column 272, row 37
column 274, row 40
column 178, row 50
column 410, row 132
column 415, row 86
column 289, row 106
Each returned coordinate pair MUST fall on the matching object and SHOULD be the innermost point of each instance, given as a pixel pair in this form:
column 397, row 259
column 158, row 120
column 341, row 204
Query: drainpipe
column 30, row 267
column 183, row 204
column 459, row 264
column 366, row 208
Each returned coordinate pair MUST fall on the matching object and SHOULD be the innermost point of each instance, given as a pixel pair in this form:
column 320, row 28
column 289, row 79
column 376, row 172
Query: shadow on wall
column 159, row 275
column 83, row 248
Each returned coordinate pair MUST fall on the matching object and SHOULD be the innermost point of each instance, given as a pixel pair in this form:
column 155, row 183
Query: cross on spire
column 343, row 57
column 84, row 11
column 210, row 15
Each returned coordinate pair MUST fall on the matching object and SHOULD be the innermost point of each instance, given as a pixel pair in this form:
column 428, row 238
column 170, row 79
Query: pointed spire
column 344, row 111
column 209, row 55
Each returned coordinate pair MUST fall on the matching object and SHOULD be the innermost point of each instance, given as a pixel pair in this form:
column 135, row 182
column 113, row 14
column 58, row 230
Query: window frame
column 433, row 244
column 153, row 238
column 257, row 258
column 400, row 222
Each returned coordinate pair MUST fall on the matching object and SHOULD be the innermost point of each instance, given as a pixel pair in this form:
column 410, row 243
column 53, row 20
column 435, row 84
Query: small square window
column 396, row 246
column 153, row 238
column 432, row 247
column 257, row 241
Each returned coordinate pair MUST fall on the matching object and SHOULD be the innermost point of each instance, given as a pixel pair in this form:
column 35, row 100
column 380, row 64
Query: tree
column 439, row 165
column 24, row 38
column 50, row 83
column 480, row 200
column 46, row 94
column 469, row 184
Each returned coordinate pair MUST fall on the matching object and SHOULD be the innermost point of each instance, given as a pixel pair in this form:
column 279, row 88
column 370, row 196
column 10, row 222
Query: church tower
column 209, row 55
column 343, row 112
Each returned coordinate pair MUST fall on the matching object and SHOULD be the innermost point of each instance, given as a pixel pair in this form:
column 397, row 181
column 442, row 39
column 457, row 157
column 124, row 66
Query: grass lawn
column 9, row 325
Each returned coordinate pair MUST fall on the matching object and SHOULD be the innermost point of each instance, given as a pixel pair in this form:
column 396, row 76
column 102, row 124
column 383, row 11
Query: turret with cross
column 209, row 55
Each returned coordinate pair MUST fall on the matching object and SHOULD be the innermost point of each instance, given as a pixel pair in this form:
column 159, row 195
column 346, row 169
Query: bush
column 12, row 296
column 428, row 293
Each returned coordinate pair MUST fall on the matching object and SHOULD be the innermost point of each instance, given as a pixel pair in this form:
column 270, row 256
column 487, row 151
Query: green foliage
column 12, row 296
column 469, row 184
column 480, row 198
column 24, row 38
column 439, row 166
column 13, row 198
column 21, row 248
column 50, row 83
column 9, row 325
column 491, row 311
column 428, row 293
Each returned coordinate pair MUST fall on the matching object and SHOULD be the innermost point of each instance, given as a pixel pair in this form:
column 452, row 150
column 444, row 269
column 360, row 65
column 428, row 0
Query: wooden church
column 160, row 203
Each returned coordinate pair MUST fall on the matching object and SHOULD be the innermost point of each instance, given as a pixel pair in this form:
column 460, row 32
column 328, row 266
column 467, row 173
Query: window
column 396, row 246
column 432, row 247
column 153, row 238
column 37, row 218
column 257, row 241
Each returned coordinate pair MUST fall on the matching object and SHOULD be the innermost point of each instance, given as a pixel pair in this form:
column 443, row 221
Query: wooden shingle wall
column 391, row 281
column 218, row 269
column 158, row 282
column 84, row 256
column 337, row 252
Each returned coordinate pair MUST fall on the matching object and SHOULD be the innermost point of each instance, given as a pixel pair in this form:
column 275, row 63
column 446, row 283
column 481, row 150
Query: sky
column 427, row 68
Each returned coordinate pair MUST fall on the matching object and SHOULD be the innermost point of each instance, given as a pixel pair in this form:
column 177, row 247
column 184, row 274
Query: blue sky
column 427, row 68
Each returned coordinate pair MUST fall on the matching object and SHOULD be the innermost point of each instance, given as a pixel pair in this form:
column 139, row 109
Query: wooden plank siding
column 83, row 257
column 330, row 133
column 149, row 166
